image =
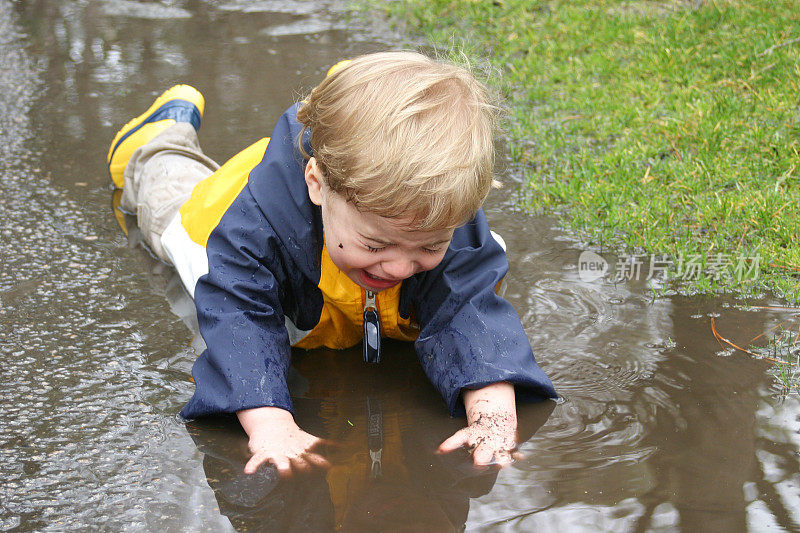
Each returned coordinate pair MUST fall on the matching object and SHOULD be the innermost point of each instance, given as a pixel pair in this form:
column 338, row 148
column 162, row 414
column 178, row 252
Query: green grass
column 783, row 350
column 649, row 127
column 786, row 373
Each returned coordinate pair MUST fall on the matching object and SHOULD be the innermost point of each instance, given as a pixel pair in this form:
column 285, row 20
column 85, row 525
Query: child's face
column 375, row 252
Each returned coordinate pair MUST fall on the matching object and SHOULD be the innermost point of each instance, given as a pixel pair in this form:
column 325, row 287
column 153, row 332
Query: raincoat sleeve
column 470, row 337
column 241, row 318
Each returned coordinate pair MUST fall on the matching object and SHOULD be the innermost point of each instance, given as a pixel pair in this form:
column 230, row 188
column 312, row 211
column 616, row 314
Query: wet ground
column 658, row 429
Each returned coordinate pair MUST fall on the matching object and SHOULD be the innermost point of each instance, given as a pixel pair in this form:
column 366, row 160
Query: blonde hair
column 401, row 135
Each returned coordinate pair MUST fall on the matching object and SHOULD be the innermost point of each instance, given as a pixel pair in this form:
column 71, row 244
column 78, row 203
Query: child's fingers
column 252, row 465
column 255, row 462
column 283, row 465
column 459, row 439
column 503, row 457
column 286, row 465
column 483, row 455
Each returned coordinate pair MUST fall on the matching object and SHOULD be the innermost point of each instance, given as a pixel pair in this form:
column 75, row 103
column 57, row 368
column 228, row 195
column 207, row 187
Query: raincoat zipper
column 372, row 330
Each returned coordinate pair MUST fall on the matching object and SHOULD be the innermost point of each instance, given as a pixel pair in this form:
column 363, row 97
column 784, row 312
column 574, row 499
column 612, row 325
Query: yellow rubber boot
column 181, row 103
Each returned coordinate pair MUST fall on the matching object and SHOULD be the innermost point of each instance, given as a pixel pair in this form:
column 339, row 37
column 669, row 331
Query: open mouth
column 377, row 282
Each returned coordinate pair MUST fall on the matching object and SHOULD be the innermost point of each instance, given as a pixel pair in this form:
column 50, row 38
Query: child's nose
column 399, row 268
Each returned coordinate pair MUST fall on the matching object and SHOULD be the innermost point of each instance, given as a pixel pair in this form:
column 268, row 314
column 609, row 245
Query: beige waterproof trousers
column 160, row 177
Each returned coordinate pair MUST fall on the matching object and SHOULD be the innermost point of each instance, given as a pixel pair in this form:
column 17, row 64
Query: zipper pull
column 372, row 330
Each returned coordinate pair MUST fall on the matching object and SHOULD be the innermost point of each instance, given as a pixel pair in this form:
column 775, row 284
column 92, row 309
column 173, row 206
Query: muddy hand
column 492, row 430
column 490, row 439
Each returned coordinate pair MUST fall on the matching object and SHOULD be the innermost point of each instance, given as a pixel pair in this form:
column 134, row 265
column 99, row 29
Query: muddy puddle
column 658, row 429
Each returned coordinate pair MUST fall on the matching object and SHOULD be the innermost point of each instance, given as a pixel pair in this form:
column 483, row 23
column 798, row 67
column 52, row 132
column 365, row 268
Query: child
column 359, row 216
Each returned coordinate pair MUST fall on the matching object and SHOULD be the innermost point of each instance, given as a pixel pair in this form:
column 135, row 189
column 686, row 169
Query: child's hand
column 491, row 440
column 275, row 438
column 491, row 433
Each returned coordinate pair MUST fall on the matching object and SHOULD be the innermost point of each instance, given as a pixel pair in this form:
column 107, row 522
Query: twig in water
column 770, row 329
column 779, row 45
column 726, row 341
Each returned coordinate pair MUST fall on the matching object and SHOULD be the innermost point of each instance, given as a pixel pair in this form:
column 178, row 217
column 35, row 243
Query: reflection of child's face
column 375, row 252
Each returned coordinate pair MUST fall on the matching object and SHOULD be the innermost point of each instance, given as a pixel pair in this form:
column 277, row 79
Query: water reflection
column 659, row 428
column 677, row 448
column 384, row 424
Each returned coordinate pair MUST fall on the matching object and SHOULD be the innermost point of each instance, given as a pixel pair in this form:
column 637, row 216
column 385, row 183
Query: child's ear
column 314, row 181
